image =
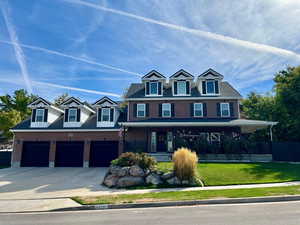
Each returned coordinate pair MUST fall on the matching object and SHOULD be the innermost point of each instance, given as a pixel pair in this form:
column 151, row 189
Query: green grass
column 213, row 174
column 188, row 195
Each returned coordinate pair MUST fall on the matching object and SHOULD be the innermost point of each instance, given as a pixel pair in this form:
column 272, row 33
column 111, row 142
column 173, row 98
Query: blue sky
column 91, row 48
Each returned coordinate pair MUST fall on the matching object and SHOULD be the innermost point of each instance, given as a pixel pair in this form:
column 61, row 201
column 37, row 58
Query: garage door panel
column 69, row 154
column 103, row 152
column 35, row 154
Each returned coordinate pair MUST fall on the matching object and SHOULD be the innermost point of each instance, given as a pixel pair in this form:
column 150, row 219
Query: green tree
column 60, row 99
column 9, row 119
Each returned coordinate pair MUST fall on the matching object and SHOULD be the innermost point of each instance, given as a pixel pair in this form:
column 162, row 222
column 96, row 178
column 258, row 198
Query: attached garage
column 69, row 154
column 35, row 154
column 102, row 152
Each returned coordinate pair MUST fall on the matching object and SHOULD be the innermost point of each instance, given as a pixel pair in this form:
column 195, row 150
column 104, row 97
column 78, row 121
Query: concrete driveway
column 42, row 183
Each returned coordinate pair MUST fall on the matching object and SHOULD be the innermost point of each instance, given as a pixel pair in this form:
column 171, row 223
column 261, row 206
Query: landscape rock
column 114, row 170
column 173, row 181
column 129, row 181
column 167, row 175
column 123, row 171
column 153, row 179
column 110, row 180
column 136, row 171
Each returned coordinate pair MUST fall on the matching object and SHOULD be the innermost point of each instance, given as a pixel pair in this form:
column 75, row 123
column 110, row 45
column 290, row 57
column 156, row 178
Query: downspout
column 271, row 133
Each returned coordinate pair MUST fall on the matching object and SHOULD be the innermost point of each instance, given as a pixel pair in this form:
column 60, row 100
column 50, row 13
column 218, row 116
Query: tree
column 60, row 99
column 9, row 119
column 19, row 102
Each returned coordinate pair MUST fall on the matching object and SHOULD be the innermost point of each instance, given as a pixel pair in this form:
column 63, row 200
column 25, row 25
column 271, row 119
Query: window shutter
column 172, row 109
column 99, row 114
column 159, row 88
column 204, row 109
column 231, row 109
column 192, row 109
column 217, row 87
column 134, row 110
column 78, row 115
column 175, row 87
column 45, row 115
column 66, row 115
column 147, row 88
column 33, row 115
column 203, row 87
column 160, row 110
column 218, row 109
column 112, row 115
column 188, row 88
column 147, row 109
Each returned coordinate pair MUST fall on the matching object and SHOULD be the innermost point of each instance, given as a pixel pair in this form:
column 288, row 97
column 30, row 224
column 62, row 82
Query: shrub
column 185, row 164
column 146, row 161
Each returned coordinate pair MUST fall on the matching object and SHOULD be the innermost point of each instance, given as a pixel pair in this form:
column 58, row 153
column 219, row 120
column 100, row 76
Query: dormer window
column 72, row 115
column 39, row 116
column 105, row 114
column 210, row 87
column 153, row 88
column 181, row 87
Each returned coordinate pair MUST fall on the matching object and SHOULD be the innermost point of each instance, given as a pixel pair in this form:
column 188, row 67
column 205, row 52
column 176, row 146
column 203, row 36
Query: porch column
column 86, row 153
column 17, row 153
column 52, row 153
column 170, row 141
column 153, row 142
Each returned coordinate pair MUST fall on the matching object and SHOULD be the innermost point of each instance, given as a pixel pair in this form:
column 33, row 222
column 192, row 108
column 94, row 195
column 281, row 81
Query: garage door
column 69, row 154
column 35, row 154
column 102, row 152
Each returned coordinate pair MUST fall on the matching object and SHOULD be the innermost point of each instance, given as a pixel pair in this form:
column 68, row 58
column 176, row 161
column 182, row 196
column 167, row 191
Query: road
column 284, row 213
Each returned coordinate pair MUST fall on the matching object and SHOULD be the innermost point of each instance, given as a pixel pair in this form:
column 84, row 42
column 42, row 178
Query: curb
column 181, row 203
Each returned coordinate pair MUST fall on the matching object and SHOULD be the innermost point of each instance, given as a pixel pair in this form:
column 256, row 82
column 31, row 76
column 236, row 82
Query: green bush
column 125, row 159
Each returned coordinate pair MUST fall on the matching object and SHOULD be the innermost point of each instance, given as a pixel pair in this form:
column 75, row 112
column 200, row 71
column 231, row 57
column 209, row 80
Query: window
column 141, row 110
column 166, row 110
column 72, row 115
column 105, row 114
column 153, row 88
column 225, row 112
column 210, row 87
column 39, row 117
column 181, row 87
column 198, row 109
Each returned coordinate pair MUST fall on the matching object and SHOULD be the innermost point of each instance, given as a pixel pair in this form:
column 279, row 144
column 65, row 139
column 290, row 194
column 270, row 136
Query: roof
column 155, row 73
column 183, row 73
column 210, row 71
column 137, row 90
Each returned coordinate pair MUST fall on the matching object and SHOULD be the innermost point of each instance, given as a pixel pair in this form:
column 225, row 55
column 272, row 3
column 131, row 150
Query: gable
column 211, row 74
column 40, row 102
column 182, row 74
column 104, row 102
column 71, row 102
column 153, row 75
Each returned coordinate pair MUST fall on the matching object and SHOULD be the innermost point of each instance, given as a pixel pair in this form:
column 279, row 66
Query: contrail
column 200, row 33
column 69, row 56
column 17, row 48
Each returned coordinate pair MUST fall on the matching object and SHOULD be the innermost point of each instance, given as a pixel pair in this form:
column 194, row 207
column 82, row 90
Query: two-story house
column 159, row 112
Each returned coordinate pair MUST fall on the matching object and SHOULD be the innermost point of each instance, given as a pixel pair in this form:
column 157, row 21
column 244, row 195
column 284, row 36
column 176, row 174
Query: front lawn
column 187, row 195
column 213, row 174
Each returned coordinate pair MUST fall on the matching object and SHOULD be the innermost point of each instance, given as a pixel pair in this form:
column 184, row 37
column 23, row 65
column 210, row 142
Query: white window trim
column 198, row 103
column 224, row 103
column 173, row 89
column 75, row 115
column 37, row 114
column 102, row 109
column 137, row 110
column 206, row 82
column 162, row 109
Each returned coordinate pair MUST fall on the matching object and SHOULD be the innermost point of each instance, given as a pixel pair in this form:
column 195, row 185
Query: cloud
column 204, row 34
column 17, row 48
column 48, row 51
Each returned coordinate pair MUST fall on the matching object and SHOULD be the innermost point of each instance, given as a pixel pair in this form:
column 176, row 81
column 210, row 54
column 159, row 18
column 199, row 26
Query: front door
column 161, row 142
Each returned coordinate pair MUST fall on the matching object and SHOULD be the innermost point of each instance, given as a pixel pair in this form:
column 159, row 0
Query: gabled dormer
column 209, row 82
column 107, row 112
column 154, row 83
column 75, row 112
column 43, row 113
column 181, row 82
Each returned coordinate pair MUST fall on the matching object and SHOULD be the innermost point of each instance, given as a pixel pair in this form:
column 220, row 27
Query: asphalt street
column 284, row 213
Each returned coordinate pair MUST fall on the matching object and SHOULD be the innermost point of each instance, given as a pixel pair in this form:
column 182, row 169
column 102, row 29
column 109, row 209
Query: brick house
column 158, row 111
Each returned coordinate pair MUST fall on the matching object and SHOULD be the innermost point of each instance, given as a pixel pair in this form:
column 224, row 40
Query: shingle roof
column 137, row 90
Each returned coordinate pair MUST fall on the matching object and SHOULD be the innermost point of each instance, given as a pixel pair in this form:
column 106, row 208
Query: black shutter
column 78, row 115
column 112, row 115
column 217, row 87
column 66, row 115
column 175, row 87
column 147, row 88
column 173, row 109
column 187, row 87
column 192, row 109
column 147, row 109
column 33, row 115
column 134, row 110
column 218, row 109
column 99, row 114
column 204, row 109
column 160, row 110
column 231, row 109
column 203, row 87
column 45, row 115
column 159, row 88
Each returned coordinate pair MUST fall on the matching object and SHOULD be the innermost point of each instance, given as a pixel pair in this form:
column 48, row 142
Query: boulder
column 167, row 175
column 110, row 180
column 114, row 170
column 173, row 181
column 123, row 171
column 153, row 178
column 136, row 171
column 129, row 181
